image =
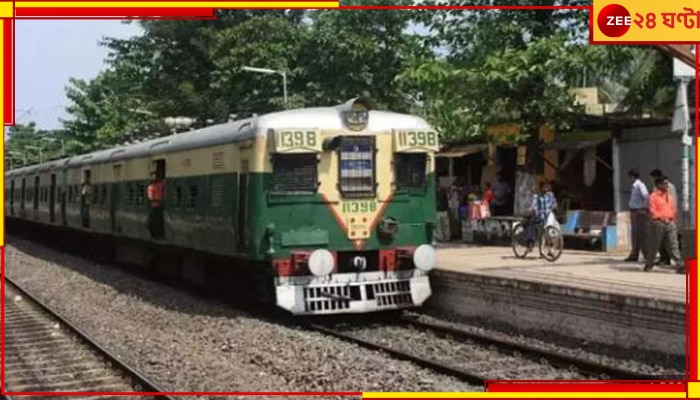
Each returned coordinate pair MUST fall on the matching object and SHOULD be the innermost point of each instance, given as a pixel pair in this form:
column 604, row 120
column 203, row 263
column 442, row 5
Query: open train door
column 86, row 198
column 157, row 213
column 64, row 195
column 52, row 198
column 12, row 197
column 114, row 197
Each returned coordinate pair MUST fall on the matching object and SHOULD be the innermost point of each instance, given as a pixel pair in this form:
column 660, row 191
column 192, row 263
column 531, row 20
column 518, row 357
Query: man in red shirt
column 488, row 195
column 662, row 212
column 156, row 194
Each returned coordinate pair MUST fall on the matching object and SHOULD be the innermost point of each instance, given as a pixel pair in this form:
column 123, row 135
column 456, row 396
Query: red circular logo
column 614, row 20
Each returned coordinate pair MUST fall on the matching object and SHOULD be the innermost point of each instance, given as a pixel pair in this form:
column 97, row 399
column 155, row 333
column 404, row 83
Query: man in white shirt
column 639, row 206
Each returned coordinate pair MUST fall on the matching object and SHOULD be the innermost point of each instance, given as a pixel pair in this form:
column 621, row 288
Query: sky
column 47, row 54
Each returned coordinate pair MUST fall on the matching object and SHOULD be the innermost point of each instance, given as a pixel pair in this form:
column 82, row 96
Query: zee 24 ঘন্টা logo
column 675, row 22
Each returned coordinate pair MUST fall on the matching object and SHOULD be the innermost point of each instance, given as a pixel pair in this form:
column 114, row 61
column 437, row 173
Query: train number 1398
column 360, row 207
column 296, row 139
column 418, row 139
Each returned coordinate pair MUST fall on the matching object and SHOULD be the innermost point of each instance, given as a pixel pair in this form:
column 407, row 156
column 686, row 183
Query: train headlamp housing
column 355, row 113
column 425, row 257
column 321, row 262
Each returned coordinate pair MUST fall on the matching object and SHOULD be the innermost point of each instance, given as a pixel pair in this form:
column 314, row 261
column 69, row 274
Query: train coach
column 331, row 210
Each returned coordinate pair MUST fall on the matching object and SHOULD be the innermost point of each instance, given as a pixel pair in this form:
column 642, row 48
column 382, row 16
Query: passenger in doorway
column 85, row 201
column 664, row 233
column 664, row 257
column 543, row 204
column 639, row 205
column 156, row 194
column 501, row 196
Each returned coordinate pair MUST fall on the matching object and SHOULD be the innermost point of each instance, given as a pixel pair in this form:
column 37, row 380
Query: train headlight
column 321, row 262
column 424, row 258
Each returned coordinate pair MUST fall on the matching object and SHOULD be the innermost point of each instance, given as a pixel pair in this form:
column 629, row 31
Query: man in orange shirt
column 662, row 212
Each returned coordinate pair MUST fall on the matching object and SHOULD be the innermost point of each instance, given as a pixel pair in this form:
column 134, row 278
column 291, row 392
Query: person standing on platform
column 488, row 196
column 665, row 258
column 664, row 233
column 443, row 231
column 639, row 205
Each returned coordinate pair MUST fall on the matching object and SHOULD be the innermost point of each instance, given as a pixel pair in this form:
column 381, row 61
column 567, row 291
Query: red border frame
column 491, row 386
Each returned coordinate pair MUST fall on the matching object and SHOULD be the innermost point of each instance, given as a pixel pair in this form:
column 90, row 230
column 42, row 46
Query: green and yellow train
column 335, row 206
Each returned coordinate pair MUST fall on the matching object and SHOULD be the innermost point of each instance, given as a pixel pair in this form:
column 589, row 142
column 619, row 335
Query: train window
column 104, row 194
column 178, row 195
column 410, row 170
column 129, row 194
column 140, row 188
column 357, row 167
column 192, row 198
column 294, row 173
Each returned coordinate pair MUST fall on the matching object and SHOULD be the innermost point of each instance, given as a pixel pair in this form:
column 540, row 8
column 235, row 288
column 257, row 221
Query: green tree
column 360, row 53
column 194, row 69
column 24, row 143
column 512, row 66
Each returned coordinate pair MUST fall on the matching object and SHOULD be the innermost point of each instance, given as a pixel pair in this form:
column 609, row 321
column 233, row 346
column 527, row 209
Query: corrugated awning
column 572, row 145
column 462, row 151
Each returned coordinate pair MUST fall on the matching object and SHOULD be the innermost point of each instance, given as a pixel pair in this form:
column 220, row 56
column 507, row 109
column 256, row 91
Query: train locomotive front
column 350, row 211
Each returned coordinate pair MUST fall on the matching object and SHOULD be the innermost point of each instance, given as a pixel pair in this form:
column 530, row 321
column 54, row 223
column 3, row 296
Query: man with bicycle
column 543, row 204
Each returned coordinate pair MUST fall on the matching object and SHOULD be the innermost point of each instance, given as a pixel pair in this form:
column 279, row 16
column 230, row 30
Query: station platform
column 588, row 295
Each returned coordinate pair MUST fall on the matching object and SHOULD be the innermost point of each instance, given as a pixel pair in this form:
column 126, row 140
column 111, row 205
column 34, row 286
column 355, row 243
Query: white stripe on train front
column 353, row 292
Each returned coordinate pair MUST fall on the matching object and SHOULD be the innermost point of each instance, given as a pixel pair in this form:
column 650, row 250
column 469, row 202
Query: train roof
column 323, row 118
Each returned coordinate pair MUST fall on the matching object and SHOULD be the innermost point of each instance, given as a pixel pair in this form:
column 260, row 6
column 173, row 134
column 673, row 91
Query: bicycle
column 549, row 238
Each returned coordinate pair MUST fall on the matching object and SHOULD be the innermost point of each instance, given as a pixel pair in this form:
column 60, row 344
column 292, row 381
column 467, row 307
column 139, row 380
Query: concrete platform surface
column 589, row 271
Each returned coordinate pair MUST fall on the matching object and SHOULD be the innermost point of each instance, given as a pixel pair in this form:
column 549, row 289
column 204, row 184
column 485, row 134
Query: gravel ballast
column 646, row 362
column 483, row 360
column 186, row 343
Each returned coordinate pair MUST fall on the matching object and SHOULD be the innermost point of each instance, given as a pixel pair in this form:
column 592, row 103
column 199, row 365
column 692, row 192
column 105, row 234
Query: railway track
column 45, row 353
column 477, row 357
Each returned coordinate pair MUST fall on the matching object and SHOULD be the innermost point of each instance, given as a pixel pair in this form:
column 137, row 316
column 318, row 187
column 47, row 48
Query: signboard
column 415, row 141
column 297, row 141
column 589, row 166
column 635, row 21
column 683, row 70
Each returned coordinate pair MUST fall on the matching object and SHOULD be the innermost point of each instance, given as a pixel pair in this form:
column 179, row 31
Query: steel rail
column 139, row 378
column 459, row 373
column 535, row 353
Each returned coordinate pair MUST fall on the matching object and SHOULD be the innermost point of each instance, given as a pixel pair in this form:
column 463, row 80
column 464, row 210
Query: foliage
column 194, row 68
column 474, row 68
column 360, row 53
column 23, row 143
